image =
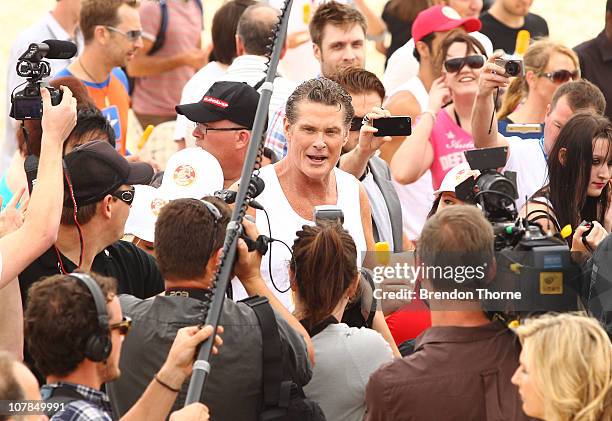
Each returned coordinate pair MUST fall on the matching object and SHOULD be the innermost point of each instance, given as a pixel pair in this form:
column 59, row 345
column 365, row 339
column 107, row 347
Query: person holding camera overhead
column 444, row 132
column 324, row 277
column 579, row 173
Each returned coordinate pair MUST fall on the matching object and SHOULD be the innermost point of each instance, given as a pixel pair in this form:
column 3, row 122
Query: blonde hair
column 535, row 59
column 571, row 359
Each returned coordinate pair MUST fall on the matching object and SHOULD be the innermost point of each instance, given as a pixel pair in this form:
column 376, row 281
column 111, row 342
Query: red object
column 441, row 19
column 409, row 322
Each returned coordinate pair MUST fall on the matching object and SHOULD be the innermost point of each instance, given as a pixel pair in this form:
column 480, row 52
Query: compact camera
column 512, row 64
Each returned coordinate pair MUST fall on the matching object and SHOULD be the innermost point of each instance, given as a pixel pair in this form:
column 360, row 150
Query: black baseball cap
column 97, row 169
column 233, row 101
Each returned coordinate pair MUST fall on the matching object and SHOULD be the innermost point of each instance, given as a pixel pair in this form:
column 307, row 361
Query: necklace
column 104, row 89
column 93, row 79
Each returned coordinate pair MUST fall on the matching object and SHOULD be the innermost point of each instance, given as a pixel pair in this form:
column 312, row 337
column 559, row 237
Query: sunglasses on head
column 356, row 124
column 126, row 196
column 561, row 76
column 123, row 326
column 454, row 65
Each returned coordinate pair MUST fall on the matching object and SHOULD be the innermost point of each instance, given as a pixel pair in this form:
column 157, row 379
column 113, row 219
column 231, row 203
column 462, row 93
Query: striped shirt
column 95, row 405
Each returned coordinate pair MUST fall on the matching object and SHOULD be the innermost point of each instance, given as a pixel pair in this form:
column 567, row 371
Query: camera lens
column 513, row 68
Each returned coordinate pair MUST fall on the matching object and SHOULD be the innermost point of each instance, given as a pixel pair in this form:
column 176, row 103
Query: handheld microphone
column 60, row 49
column 31, row 169
column 522, row 42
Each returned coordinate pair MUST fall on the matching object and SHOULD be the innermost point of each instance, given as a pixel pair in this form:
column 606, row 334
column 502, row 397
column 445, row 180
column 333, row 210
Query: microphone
column 522, row 42
column 229, row 197
column 60, row 49
column 256, row 186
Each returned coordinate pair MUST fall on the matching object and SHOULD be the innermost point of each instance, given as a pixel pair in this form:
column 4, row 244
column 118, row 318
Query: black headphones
column 98, row 346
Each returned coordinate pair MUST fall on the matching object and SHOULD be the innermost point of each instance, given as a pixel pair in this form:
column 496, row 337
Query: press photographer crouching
column 454, row 239
column 189, row 236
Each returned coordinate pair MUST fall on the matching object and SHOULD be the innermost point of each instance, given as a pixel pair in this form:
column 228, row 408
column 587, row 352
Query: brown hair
column 580, row 95
column 85, row 213
column 453, row 36
column 456, row 236
column 61, row 315
column 407, row 10
column 183, row 243
column 34, row 128
column 100, row 12
column 324, row 266
column 536, row 59
column 359, row 81
column 10, row 390
column 336, row 14
column 322, row 91
column 224, row 27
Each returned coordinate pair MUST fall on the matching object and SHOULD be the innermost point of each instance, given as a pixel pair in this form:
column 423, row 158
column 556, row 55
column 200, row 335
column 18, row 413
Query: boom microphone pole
column 213, row 309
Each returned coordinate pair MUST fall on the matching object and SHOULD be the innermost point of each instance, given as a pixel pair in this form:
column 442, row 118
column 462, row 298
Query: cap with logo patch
column 233, row 101
column 441, row 19
column 191, row 173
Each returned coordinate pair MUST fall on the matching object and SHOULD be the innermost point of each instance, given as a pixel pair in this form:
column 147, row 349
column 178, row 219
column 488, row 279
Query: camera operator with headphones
column 75, row 330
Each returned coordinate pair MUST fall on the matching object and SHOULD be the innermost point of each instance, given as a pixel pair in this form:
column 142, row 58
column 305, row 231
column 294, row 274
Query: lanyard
column 541, row 142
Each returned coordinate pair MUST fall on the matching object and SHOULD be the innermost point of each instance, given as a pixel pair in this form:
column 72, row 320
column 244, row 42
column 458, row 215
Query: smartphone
column 393, row 126
column 328, row 212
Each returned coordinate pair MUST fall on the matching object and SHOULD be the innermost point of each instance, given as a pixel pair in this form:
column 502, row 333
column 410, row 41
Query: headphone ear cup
column 98, row 347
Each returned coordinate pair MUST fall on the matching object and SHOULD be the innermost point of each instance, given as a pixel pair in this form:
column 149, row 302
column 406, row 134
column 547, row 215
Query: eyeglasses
column 561, row 76
column 123, row 326
column 454, row 65
column 126, row 196
column 356, row 124
column 203, row 129
column 130, row 35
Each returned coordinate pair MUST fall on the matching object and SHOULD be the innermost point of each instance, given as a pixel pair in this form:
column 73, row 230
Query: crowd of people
column 108, row 258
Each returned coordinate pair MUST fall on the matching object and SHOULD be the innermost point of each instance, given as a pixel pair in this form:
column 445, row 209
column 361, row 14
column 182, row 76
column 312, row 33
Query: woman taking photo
column 579, row 173
column 443, row 132
column 548, row 65
column 324, row 277
column 565, row 371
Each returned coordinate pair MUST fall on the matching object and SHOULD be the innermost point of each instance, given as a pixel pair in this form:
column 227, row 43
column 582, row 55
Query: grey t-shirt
column 233, row 390
column 345, row 357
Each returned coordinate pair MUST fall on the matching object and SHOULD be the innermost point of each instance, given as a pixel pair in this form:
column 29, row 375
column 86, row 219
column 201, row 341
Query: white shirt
column 526, row 158
column 246, row 68
column 402, row 65
column 46, row 28
column 285, row 222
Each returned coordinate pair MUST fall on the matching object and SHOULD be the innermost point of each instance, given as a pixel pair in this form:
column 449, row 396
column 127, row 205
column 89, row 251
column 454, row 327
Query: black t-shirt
column 400, row 30
column 136, row 271
column 503, row 37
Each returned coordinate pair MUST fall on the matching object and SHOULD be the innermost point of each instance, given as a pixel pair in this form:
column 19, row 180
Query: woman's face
column 601, row 169
column 448, row 199
column 543, row 86
column 465, row 81
column 533, row 401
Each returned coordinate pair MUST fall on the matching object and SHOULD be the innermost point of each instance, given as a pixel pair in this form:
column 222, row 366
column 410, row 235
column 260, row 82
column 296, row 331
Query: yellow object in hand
column 566, row 231
column 383, row 252
column 145, row 136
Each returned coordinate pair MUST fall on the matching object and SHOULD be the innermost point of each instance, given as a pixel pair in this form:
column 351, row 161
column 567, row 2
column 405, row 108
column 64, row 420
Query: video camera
column 530, row 261
column 27, row 104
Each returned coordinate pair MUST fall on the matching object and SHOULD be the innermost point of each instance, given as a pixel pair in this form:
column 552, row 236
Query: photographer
column 40, row 226
column 324, row 278
column 579, row 165
column 449, row 360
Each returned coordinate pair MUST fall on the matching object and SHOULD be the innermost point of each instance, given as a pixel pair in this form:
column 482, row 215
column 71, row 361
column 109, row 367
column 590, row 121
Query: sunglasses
column 123, row 326
column 454, row 65
column 203, row 129
column 130, row 35
column 356, row 124
column 126, row 196
column 561, row 76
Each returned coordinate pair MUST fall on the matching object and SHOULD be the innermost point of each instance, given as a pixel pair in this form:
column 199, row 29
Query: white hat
column 456, row 176
column 191, row 173
column 148, row 201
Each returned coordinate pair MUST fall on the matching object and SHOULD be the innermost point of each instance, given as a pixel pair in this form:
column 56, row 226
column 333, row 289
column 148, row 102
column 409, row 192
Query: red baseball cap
column 441, row 19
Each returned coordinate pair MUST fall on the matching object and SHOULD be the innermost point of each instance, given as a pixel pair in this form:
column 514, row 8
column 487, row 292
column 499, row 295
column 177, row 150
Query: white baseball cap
column 148, row 201
column 191, row 173
column 456, row 176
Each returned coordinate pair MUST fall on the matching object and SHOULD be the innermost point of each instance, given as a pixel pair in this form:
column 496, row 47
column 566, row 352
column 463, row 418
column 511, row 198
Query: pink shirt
column 157, row 95
column 448, row 141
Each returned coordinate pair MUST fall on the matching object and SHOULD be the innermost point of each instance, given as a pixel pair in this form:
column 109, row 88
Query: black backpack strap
column 368, row 277
column 272, row 358
column 163, row 27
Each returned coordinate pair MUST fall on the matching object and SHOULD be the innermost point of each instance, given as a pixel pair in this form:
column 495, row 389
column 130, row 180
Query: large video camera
column 529, row 260
column 27, row 104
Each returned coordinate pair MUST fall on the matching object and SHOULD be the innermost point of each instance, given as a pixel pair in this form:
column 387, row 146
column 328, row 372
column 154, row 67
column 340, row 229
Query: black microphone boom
column 201, row 367
column 60, row 49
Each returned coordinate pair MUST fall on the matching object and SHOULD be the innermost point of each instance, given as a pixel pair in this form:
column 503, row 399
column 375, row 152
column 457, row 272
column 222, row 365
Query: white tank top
column 285, row 222
column 416, row 198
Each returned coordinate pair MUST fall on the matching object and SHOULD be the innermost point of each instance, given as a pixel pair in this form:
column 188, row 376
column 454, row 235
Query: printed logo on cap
column 156, row 205
column 215, row 101
column 450, row 13
column 184, row 175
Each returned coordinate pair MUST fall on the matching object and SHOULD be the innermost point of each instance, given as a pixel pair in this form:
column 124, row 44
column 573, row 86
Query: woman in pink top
column 443, row 133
